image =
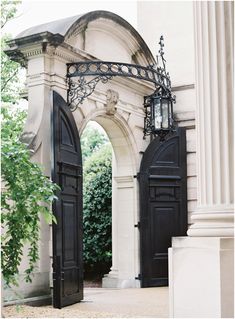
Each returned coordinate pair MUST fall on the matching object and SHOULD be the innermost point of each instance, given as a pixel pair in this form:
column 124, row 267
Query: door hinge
column 139, row 277
column 137, row 176
column 137, row 225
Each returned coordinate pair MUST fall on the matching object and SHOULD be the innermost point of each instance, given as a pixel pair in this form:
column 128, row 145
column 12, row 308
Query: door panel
column 67, row 233
column 163, row 205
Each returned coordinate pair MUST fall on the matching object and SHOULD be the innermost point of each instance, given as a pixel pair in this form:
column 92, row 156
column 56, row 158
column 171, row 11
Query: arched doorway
column 125, row 252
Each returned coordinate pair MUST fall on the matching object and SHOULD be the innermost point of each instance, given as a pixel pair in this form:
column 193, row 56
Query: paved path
column 104, row 303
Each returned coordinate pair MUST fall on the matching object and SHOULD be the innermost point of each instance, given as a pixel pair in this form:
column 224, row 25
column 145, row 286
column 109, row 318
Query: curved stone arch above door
column 119, row 133
column 115, row 34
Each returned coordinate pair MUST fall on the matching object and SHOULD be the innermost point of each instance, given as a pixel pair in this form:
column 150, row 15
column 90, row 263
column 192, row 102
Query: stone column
column 214, row 121
column 201, row 265
column 110, row 280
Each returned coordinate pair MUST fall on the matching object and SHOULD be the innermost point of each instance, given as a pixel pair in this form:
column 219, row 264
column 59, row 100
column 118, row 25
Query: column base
column 201, row 277
column 212, row 222
column 112, row 280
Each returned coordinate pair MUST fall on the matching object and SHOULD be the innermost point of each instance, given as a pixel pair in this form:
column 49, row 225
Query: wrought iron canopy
column 83, row 77
column 80, row 86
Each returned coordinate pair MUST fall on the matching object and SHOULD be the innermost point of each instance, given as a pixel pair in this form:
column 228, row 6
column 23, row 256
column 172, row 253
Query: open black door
column 67, row 233
column 163, row 205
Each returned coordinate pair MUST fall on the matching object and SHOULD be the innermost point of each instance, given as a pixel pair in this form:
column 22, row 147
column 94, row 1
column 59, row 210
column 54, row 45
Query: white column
column 201, row 265
column 110, row 280
column 214, row 91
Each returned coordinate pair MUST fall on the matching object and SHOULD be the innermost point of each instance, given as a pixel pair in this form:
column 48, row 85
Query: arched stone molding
column 119, row 130
column 127, row 48
column 128, row 116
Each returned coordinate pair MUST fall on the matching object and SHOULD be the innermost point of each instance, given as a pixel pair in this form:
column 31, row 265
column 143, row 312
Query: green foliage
column 97, row 210
column 10, row 78
column 27, row 193
column 8, row 10
column 10, row 70
column 91, row 141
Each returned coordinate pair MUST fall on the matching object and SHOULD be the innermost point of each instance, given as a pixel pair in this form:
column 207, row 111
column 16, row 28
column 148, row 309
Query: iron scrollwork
column 148, row 120
column 83, row 77
column 80, row 88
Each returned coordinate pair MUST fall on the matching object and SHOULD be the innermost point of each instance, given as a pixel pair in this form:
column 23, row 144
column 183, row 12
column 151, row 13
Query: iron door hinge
column 139, row 277
column 137, row 176
column 137, row 225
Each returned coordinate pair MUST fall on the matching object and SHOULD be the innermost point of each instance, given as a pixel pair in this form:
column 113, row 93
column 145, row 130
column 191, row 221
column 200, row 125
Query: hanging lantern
column 159, row 114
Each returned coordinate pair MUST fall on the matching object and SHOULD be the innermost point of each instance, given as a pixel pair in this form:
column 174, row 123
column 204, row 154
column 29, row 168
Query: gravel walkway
column 103, row 303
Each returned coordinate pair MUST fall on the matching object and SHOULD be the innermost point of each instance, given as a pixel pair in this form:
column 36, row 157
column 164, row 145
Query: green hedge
column 97, row 211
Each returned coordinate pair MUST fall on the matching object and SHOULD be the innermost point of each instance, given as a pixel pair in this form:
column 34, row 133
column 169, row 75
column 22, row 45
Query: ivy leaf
column 48, row 216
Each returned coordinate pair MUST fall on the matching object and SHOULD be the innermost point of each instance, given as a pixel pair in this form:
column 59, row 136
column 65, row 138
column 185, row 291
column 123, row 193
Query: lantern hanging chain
column 161, row 61
column 161, row 53
column 161, row 66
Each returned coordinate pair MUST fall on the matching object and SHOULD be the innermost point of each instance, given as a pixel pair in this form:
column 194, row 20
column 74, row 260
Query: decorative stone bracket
column 111, row 102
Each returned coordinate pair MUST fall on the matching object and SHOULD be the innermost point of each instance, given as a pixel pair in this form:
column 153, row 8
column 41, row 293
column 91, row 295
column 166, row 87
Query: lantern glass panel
column 165, row 113
column 157, row 113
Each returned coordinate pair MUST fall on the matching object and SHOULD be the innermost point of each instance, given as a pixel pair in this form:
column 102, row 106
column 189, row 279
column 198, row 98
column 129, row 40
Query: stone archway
column 46, row 49
column 125, row 252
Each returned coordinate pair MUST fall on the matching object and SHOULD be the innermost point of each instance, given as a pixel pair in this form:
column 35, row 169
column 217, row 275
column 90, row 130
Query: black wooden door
column 163, row 205
column 67, row 233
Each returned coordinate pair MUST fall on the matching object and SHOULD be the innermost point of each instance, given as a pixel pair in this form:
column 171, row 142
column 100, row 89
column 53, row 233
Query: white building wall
column 174, row 20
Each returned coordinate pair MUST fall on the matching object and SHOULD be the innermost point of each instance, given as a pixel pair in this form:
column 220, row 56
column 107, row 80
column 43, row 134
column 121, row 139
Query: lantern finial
column 159, row 106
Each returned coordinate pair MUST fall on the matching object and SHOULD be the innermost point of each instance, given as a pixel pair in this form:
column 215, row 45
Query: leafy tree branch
column 8, row 10
column 27, row 194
